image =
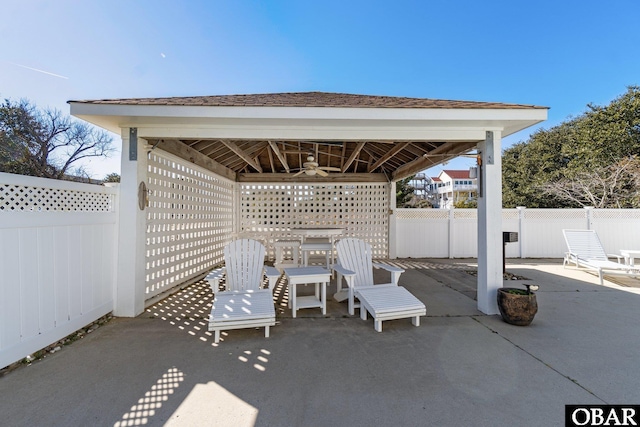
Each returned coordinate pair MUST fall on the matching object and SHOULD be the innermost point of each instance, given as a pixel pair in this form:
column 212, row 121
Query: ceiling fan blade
column 298, row 173
column 321, row 172
column 329, row 168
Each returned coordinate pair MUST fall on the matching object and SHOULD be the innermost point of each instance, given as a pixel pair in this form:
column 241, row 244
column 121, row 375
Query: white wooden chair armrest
column 395, row 271
column 349, row 275
column 272, row 274
column 619, row 257
column 570, row 257
column 214, row 278
column 343, row 271
column 388, row 267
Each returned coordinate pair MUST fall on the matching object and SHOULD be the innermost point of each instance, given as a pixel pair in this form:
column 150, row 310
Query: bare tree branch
column 614, row 186
column 46, row 143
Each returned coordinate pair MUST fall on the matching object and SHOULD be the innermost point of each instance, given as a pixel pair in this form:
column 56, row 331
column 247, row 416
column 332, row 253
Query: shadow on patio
column 459, row 367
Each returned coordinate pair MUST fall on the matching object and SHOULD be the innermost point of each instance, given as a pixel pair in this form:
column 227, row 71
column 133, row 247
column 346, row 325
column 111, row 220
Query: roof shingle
column 310, row 99
column 456, row 174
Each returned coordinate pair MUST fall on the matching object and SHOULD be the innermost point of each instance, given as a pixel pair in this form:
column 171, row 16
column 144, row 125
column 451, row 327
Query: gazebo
column 199, row 171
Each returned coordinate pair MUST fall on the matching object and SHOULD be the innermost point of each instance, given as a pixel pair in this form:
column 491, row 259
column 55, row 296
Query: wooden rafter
column 279, row 155
column 234, row 147
column 444, row 152
column 353, row 157
column 182, row 150
column 270, row 154
column 402, row 159
column 332, row 177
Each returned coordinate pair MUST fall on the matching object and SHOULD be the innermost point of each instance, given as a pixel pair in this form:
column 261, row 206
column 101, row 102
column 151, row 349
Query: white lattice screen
column 623, row 214
column 405, row 213
column 17, row 197
column 189, row 220
column 554, row 214
column 271, row 210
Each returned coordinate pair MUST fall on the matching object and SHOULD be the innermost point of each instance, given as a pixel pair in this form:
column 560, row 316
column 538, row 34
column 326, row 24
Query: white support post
column 490, row 223
column 451, row 243
column 520, row 230
column 393, row 254
column 589, row 216
column 130, row 282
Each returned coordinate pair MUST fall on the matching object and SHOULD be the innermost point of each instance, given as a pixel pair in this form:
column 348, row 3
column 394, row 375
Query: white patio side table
column 304, row 275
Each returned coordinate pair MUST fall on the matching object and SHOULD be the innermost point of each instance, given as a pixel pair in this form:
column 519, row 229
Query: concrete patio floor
column 459, row 368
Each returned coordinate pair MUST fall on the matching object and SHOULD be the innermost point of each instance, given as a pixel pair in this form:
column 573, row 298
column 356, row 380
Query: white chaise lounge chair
column 243, row 303
column 385, row 301
column 585, row 250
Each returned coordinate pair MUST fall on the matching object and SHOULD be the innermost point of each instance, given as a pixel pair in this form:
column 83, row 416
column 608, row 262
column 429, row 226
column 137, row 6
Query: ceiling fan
column 311, row 168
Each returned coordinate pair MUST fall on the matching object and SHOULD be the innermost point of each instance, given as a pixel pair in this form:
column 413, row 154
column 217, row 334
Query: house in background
column 452, row 186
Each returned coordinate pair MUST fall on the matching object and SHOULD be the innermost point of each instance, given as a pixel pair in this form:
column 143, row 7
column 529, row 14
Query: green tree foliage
column 45, row 143
column 589, row 143
column 112, row 177
column 466, row 204
column 404, row 192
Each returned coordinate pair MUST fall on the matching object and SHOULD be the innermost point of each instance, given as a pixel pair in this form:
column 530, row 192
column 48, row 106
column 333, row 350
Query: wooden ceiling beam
column 270, row 154
column 353, row 156
column 443, row 153
column 241, row 153
column 183, row 151
column 279, row 155
column 331, row 178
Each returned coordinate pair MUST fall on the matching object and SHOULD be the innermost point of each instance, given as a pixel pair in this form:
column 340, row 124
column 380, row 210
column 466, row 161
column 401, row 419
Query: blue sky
column 560, row 54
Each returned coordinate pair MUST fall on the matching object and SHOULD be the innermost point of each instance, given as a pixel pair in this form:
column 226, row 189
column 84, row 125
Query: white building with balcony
column 452, row 186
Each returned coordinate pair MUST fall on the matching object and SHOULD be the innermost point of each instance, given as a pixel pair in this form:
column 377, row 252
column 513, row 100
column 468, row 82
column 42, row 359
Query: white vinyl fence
column 453, row 233
column 58, row 239
column 57, row 260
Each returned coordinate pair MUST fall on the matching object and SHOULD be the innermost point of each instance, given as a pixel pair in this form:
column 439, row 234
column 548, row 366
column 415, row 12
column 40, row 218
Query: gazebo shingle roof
column 424, row 137
column 311, row 99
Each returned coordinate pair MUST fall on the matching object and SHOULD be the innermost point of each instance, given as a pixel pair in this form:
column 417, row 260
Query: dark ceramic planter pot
column 517, row 308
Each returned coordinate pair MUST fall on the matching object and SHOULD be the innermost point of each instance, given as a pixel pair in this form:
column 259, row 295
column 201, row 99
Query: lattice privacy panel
column 508, row 214
column 271, row 210
column 15, row 197
column 623, row 214
column 554, row 214
column 422, row 213
column 465, row 214
column 189, row 220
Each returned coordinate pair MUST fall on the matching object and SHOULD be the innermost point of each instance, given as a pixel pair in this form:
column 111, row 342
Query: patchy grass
column 57, row 346
column 506, row 276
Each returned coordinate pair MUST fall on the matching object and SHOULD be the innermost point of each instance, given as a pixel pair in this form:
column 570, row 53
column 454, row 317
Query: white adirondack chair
column 383, row 301
column 243, row 303
column 586, row 250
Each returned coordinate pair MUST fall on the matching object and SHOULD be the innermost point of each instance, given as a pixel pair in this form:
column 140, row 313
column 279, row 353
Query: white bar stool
column 317, row 245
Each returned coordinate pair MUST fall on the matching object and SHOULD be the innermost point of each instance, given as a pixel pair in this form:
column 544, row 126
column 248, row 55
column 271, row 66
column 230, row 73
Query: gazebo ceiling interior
column 250, row 158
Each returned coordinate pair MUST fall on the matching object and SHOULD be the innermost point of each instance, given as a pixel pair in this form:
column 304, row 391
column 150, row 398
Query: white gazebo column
column 489, row 223
column 130, row 281
column 392, row 244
